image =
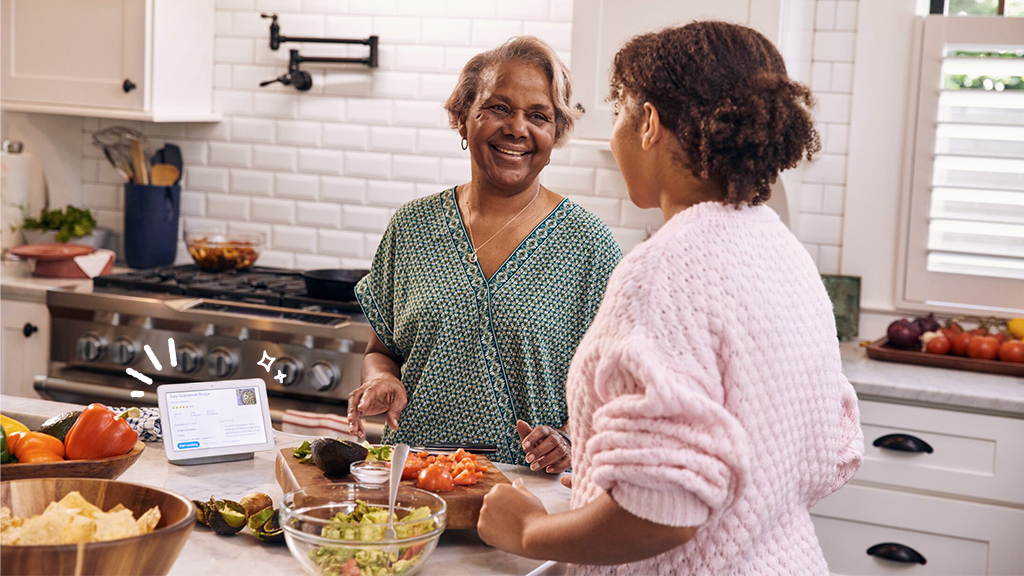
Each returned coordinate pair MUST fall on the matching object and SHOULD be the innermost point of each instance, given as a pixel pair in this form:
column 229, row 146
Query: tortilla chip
column 6, row 519
column 113, row 526
column 117, row 508
column 75, row 501
column 48, row 527
column 80, row 530
column 148, row 521
column 10, row 537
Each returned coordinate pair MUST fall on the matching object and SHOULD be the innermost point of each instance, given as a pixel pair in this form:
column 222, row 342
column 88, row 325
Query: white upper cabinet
column 148, row 60
column 601, row 27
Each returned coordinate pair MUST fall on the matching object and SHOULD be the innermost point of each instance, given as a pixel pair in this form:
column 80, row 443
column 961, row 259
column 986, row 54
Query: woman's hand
column 384, row 394
column 545, row 448
column 505, row 516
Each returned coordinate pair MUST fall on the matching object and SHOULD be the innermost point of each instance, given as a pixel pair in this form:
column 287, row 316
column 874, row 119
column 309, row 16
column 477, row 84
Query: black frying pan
column 332, row 284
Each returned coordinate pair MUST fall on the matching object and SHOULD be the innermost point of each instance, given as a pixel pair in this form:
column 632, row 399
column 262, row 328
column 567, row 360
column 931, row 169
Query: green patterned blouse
column 476, row 353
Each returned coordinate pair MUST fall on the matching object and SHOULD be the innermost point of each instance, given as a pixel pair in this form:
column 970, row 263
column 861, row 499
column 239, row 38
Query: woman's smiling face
column 511, row 127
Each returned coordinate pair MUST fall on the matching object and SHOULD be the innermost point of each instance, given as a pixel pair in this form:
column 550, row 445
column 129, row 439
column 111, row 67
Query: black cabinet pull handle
column 28, row 329
column 903, row 443
column 896, row 553
column 128, row 85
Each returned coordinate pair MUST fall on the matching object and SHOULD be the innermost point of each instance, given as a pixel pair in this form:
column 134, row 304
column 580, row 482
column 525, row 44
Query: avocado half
column 334, row 457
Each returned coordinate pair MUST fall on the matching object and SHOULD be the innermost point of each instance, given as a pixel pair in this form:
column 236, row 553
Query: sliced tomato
column 436, row 479
column 465, row 478
column 413, row 466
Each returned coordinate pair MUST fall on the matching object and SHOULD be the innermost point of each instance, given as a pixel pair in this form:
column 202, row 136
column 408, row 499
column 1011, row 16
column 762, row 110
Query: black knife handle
column 896, row 553
column 903, row 443
column 478, row 448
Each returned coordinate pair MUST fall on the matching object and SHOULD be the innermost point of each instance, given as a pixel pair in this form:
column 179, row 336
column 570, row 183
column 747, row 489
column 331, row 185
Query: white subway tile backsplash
column 275, row 158
column 842, row 77
column 833, row 108
column 278, row 5
column 228, row 206
column 473, row 8
column 277, row 259
column 342, row 243
column 821, row 228
column 298, row 24
column 598, row 157
column 828, row 262
column 228, row 154
column 193, row 203
column 814, row 250
column 558, row 34
column 206, row 178
column 354, row 83
column 321, row 108
column 106, row 174
column 455, row 171
column 252, row 129
column 397, row 29
column 395, row 84
column 825, row 16
column 90, row 169
column 314, row 262
column 455, row 57
column 420, row 58
column 299, row 133
column 821, row 76
column 525, row 9
column 205, row 224
column 561, row 11
column 295, row 239
column 832, row 199
column 418, row 113
column 440, row 142
column 491, row 33
column 628, row 238
column 373, row 6
column 416, row 168
column 610, row 183
column 209, row 130
column 113, row 219
column 343, row 190
column 221, row 76
column 369, row 111
column 834, row 46
column 390, row 193
column 224, row 23
column 330, row 162
column 236, row 4
column 273, row 210
column 445, row 31
column 368, row 164
column 846, row 15
column 437, row 86
column 249, row 24
column 607, row 209
column 349, row 136
column 304, row 186
column 252, row 182
column 810, row 198
column 349, row 26
column 826, row 169
column 285, row 105
column 232, row 102
column 365, row 218
column 838, row 139
column 165, row 130
column 249, row 76
column 100, row 195
column 390, row 139
column 421, row 7
column 568, row 180
column 326, row 6
column 634, row 217
column 233, row 50
column 319, row 215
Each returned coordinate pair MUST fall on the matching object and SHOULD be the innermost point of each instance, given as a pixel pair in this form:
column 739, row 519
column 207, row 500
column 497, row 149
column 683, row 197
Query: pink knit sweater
column 708, row 392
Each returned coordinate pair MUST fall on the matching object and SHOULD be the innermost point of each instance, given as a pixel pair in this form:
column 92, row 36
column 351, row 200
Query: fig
column 225, row 517
column 904, row 334
column 928, row 323
column 265, row 525
column 255, row 502
column 334, row 457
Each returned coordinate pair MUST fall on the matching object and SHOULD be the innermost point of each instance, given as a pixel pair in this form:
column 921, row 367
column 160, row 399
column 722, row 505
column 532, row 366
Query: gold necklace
column 469, row 226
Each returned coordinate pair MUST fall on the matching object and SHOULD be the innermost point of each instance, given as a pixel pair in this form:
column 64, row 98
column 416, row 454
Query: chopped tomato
column 412, row 551
column 436, row 479
column 465, row 478
column 350, row 568
column 413, row 465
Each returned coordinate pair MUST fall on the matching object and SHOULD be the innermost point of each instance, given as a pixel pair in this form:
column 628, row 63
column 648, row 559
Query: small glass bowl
column 216, row 251
column 374, row 473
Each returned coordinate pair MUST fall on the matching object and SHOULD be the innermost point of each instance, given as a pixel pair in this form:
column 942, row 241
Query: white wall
column 322, row 171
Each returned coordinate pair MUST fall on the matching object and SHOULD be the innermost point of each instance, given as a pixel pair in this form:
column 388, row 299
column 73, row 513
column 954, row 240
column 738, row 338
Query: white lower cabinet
column 25, row 346
column 948, row 503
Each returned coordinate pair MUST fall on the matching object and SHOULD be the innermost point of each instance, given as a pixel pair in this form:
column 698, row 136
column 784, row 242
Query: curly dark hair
column 723, row 91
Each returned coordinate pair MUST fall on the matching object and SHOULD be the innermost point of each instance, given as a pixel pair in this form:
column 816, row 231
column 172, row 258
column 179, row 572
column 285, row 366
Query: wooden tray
column 109, row 468
column 880, row 350
column 464, row 502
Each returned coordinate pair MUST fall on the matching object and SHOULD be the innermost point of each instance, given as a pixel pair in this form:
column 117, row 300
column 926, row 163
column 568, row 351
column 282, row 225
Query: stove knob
column 291, row 370
column 122, row 351
column 188, row 359
column 324, row 376
column 220, row 363
column 90, row 347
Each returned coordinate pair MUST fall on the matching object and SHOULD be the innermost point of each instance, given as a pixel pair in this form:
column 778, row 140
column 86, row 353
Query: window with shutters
column 963, row 234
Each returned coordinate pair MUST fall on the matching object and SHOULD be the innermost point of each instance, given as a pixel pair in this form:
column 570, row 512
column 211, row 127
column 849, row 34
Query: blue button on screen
column 187, row 445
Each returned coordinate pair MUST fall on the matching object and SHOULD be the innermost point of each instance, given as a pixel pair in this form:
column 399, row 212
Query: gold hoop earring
column 548, row 162
column 465, row 144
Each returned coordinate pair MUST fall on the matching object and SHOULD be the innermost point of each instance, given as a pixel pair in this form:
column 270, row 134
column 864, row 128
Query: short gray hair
column 526, row 49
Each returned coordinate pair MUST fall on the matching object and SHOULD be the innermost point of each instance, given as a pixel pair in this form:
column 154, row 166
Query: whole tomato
column 938, row 345
column 960, row 342
column 978, row 332
column 951, row 331
column 1012, row 351
column 1001, row 336
column 436, row 479
column 983, row 347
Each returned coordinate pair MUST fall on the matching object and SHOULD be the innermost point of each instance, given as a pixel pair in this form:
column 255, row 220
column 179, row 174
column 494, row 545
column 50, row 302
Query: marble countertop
column 460, row 553
column 936, row 387
column 17, row 282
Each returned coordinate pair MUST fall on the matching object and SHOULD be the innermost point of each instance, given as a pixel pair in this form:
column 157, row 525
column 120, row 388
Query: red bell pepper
column 99, row 433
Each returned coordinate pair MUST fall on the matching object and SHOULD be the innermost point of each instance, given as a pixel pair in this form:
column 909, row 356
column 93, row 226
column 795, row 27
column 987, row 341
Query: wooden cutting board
column 463, row 503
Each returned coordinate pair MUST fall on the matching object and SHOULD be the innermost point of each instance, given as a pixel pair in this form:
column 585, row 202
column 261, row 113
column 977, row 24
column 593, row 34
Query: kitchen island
column 459, row 553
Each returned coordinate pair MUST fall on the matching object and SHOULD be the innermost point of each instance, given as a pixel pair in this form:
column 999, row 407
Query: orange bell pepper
column 13, row 439
column 99, row 433
column 37, row 442
column 38, row 457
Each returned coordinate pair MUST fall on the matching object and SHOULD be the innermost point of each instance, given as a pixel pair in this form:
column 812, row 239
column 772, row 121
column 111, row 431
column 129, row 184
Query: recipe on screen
column 215, row 418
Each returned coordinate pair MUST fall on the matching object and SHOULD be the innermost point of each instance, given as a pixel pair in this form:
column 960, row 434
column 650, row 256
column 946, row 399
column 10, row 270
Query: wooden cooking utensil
column 164, row 175
column 139, row 161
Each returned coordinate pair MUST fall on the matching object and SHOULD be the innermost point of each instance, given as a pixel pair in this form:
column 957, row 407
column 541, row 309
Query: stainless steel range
column 221, row 325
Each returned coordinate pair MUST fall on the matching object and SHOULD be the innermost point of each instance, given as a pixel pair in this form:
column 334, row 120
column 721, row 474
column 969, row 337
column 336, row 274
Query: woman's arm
column 381, row 390
column 601, row 532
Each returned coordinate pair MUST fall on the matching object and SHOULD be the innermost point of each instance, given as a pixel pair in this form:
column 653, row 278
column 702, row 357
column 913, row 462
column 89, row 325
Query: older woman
column 479, row 294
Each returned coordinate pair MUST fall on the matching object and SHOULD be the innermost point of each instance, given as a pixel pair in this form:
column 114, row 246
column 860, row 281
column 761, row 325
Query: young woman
column 707, row 403
column 479, row 294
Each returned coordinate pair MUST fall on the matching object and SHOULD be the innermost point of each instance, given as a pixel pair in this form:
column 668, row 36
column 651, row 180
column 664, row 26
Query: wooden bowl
column 109, row 468
column 152, row 553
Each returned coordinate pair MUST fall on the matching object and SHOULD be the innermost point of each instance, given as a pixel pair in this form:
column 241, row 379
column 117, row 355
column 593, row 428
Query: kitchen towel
column 94, row 264
column 314, row 424
column 147, row 424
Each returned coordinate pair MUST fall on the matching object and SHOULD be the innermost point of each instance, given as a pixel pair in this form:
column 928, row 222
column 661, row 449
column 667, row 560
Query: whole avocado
column 59, row 425
column 334, row 457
